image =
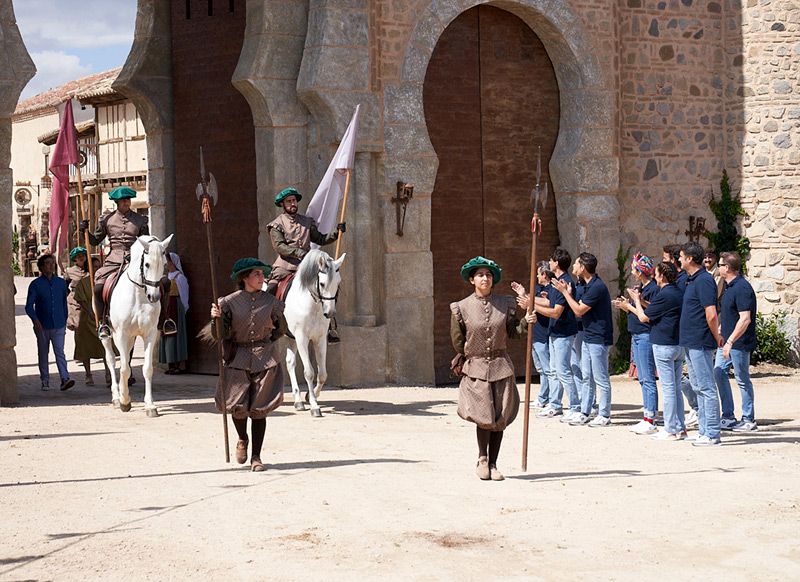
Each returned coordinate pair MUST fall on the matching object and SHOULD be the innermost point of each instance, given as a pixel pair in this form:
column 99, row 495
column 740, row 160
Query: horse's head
column 150, row 256
column 320, row 276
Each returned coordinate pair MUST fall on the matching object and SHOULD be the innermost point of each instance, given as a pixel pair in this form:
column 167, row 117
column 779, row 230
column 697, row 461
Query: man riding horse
column 292, row 234
column 122, row 227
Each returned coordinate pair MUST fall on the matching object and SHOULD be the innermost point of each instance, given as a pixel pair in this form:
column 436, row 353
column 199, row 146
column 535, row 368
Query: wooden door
column 491, row 98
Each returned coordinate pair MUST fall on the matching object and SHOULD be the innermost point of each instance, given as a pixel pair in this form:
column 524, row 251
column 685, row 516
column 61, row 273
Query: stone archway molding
column 16, row 69
column 146, row 79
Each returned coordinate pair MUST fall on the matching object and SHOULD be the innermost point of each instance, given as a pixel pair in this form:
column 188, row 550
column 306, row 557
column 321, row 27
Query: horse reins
column 146, row 282
column 318, row 296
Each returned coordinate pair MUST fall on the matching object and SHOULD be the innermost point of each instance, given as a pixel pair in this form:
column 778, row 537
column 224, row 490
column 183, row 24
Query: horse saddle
column 283, row 287
column 111, row 282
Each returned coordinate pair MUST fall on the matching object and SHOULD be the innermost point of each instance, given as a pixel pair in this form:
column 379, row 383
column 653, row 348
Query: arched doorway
column 491, row 98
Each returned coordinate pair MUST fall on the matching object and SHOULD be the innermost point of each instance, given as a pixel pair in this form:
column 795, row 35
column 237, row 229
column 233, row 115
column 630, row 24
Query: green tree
column 15, row 252
column 727, row 211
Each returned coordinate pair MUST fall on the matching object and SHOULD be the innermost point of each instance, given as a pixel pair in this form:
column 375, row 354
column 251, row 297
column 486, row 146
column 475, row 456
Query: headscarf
column 643, row 264
column 180, row 279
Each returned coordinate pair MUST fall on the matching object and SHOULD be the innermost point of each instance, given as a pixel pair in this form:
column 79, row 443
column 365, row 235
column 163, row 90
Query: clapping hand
column 633, row 293
column 563, row 286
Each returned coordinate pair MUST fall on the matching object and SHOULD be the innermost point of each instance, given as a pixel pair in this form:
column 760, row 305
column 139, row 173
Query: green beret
column 474, row 264
column 248, row 264
column 285, row 193
column 75, row 252
column 121, row 192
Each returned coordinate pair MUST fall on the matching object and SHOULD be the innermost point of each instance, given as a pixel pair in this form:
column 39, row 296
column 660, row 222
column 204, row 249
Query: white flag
column 324, row 206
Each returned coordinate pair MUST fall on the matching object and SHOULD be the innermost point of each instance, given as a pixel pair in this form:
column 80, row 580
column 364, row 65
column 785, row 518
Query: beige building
column 111, row 143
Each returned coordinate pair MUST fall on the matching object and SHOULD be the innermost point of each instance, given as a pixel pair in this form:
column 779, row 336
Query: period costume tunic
column 73, row 276
column 87, row 344
column 122, row 231
column 479, row 328
column 251, row 322
column 174, row 348
column 291, row 237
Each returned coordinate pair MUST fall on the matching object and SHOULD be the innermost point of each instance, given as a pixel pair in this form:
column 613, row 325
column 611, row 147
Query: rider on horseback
column 292, row 234
column 122, row 227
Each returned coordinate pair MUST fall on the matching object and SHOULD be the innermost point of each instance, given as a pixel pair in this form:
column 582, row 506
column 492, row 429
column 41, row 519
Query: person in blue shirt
column 738, row 326
column 642, row 271
column 562, row 333
column 540, row 350
column 663, row 315
column 598, row 335
column 47, row 308
column 672, row 254
column 700, row 337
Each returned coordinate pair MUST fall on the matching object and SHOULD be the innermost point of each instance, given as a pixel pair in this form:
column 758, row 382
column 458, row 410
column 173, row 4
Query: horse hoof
column 299, row 406
column 316, row 413
column 152, row 412
column 115, row 403
column 125, row 407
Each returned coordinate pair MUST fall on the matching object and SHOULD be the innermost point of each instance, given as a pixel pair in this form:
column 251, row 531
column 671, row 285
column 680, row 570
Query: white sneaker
column 601, row 421
column 663, row 435
column 643, row 427
column 536, row 404
column 569, row 416
column 704, row 441
column 727, row 423
column 549, row 412
column 745, row 426
column 579, row 419
column 694, row 437
column 691, row 419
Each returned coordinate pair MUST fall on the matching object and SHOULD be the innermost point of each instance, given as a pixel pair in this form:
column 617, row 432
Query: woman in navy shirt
column 664, row 316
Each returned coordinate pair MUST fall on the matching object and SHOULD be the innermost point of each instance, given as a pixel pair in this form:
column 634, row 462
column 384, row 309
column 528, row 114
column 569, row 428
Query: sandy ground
column 383, row 487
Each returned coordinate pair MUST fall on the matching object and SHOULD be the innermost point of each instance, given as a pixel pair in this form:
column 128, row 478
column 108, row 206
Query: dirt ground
column 383, row 487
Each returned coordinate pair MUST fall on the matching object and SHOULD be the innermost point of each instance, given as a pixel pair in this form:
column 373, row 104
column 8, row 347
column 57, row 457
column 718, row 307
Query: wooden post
column 87, row 244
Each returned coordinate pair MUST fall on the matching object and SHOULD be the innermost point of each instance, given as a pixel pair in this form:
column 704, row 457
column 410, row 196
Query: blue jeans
column 541, row 359
column 594, row 367
column 701, row 375
column 645, row 370
column 740, row 360
column 560, row 354
column 669, row 363
column 688, row 391
column 43, row 340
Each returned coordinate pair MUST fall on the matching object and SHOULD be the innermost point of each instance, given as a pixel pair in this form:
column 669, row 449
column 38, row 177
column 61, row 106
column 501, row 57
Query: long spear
column 207, row 193
column 86, row 241
column 538, row 196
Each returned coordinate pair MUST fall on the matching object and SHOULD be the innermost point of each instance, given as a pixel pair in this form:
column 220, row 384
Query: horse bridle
column 145, row 281
column 318, row 296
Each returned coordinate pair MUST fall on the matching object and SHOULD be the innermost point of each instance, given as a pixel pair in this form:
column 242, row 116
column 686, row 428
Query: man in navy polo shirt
column 738, row 322
column 47, row 308
column 672, row 254
column 700, row 337
column 562, row 333
column 598, row 335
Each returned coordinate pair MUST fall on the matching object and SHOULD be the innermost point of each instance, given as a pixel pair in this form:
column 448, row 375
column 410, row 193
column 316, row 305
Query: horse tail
column 206, row 334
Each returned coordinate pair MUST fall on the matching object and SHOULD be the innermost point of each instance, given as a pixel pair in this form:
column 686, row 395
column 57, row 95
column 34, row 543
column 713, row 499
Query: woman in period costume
column 479, row 327
column 87, row 344
column 173, row 348
column 252, row 320
column 79, row 320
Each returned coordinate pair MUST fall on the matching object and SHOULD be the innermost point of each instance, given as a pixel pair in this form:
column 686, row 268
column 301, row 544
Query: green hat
column 75, row 252
column 121, row 192
column 248, row 264
column 474, row 264
column 285, row 193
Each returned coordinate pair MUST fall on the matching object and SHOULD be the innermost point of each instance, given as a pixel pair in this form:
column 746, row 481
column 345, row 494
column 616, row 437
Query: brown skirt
column 490, row 405
column 250, row 394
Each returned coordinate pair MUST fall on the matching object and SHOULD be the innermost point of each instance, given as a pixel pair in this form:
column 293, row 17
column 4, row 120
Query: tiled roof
column 98, row 82
column 80, row 128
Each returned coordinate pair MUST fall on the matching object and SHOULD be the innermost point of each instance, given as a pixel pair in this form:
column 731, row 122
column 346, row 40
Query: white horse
column 133, row 311
column 310, row 304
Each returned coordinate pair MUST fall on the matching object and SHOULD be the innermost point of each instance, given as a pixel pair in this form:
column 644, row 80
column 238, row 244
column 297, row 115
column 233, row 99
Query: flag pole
column 343, row 211
column 86, row 242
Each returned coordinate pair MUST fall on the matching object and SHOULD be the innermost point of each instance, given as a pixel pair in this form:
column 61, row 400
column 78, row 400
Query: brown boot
column 241, row 452
column 256, row 465
column 482, row 469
